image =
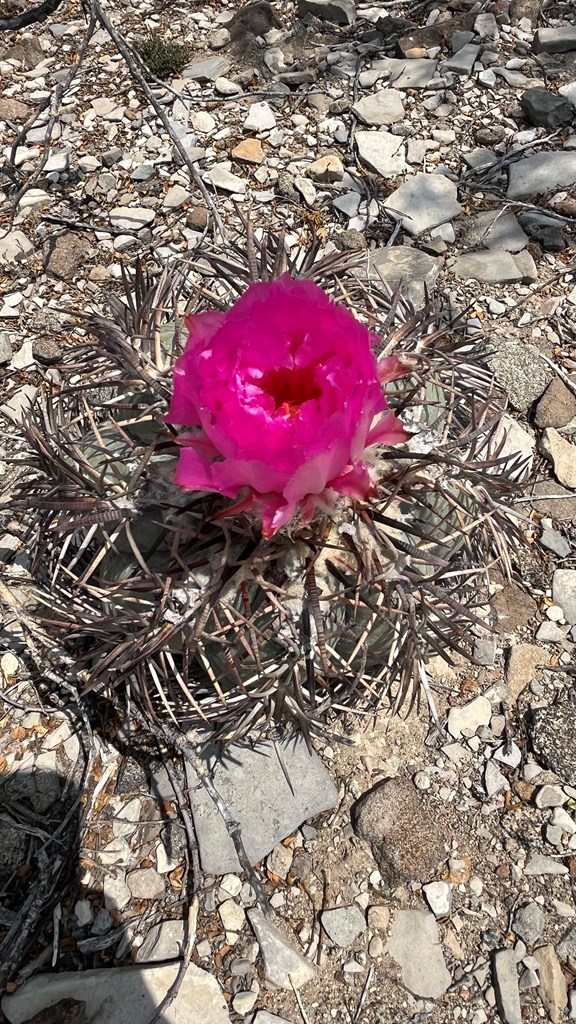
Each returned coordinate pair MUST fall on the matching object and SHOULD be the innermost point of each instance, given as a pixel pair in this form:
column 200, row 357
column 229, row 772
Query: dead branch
column 138, row 77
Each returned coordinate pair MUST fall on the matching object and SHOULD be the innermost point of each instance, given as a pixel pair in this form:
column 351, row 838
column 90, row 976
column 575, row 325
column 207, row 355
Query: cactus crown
column 198, row 617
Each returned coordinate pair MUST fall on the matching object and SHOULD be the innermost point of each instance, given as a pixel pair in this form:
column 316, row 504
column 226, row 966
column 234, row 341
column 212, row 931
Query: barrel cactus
column 199, row 545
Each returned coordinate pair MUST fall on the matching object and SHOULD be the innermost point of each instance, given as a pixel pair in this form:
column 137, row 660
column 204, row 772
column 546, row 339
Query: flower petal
column 389, row 430
column 355, row 482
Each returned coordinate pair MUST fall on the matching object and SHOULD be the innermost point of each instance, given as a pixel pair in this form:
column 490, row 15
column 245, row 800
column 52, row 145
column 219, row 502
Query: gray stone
column 562, row 455
column 493, row 229
column 382, row 152
column 541, row 173
column 414, row 944
column 306, row 189
column 395, row 819
column 564, row 593
column 480, row 159
column 566, row 948
column 550, row 796
column 131, row 218
column 175, row 197
column 379, row 108
column 551, row 632
column 553, row 500
column 528, row 923
column 232, row 916
column 407, row 73
column 146, row 884
column 5, row 349
column 226, row 87
column 494, row 781
column 539, row 864
column 493, row 267
column 14, row 247
column 486, row 27
column 260, row 117
column 220, row 176
column 424, row 201
column 164, row 941
column 518, row 447
column 414, row 271
column 19, row 403
column 122, row 995
column 117, row 895
column 254, row 787
column 438, row 897
column 553, row 735
column 545, row 109
column 343, row 924
column 485, row 651
column 465, row 720
column 342, row 12
column 505, row 977
column 207, row 70
column 244, row 1002
column 520, row 371
column 462, row 62
column 554, row 40
column 553, row 541
column 284, row 966
column 460, row 39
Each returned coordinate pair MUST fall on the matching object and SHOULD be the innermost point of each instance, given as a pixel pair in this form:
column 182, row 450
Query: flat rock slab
column 131, row 218
column 382, row 152
column 555, row 40
column 284, row 966
column 492, row 267
column 541, row 173
column 564, row 594
column 343, row 924
column 253, row 782
column 505, row 976
column 415, row 73
column 562, row 455
column 123, row 995
column 423, row 202
column 379, row 108
column 402, row 265
column 415, row 946
column 493, row 229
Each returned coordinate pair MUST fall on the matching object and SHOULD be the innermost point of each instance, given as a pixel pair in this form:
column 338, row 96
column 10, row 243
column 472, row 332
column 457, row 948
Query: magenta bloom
column 285, row 394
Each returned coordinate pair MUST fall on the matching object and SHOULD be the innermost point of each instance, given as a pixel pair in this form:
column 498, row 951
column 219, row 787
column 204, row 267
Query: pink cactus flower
column 284, row 395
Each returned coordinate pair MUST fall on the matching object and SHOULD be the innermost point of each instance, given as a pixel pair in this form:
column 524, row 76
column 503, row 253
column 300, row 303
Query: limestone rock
column 562, row 455
column 415, row 946
column 122, row 995
column 382, row 152
column 552, row 989
column 284, row 966
column 395, row 819
column 380, row 108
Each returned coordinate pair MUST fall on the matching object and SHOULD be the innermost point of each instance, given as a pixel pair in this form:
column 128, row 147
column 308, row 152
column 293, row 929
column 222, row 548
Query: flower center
column 290, row 388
